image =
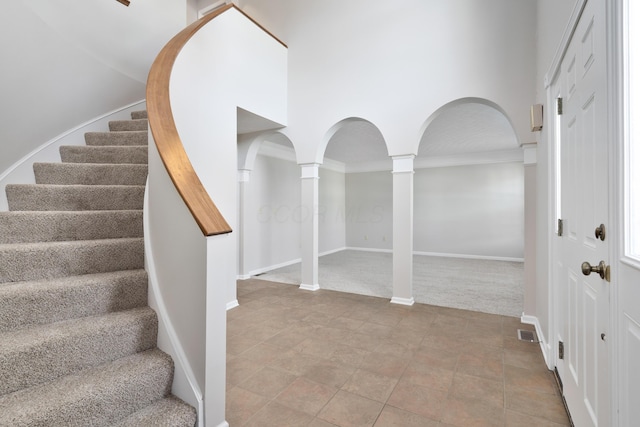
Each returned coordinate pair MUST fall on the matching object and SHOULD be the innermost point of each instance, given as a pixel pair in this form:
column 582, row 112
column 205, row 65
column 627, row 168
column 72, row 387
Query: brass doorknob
column 602, row 269
column 600, row 232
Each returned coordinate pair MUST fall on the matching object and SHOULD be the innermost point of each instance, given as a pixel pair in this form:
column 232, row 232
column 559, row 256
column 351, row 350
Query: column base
column 309, row 287
column 402, row 301
column 232, row 304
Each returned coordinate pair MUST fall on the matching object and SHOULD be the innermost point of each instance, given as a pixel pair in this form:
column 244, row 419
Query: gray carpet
column 480, row 285
column 77, row 338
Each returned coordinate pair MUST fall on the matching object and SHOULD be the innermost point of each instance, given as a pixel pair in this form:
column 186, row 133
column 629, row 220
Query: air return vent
column 529, row 336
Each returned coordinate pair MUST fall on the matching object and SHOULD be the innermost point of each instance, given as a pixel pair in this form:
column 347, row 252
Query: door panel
column 584, row 175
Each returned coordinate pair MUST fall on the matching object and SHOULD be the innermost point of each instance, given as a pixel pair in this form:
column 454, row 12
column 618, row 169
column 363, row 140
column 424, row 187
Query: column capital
column 403, row 164
column 530, row 152
column 310, row 170
column 244, row 175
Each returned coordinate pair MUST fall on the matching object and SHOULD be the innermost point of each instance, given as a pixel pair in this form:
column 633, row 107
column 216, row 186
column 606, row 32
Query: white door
column 583, row 300
column 628, row 268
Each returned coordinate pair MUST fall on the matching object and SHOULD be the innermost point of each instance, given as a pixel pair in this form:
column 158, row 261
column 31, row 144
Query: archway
column 469, row 210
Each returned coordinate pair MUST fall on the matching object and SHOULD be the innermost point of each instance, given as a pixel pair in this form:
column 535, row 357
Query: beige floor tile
column 428, row 376
column 347, row 355
column 275, row 414
column 242, row 404
column 344, row 322
column 464, row 413
column 384, row 364
column 525, row 359
column 516, row 419
column 263, row 353
column 317, row 422
column 350, row 410
column 527, row 379
column 295, row 362
column 240, row 369
column 287, row 338
column 268, row 382
column 424, row 401
column 330, row 373
column 542, row 405
column 237, row 344
column 486, row 365
column 436, row 357
column 375, row 329
column 362, row 341
column 481, row 390
column 370, row 385
column 306, row 396
column 394, row 417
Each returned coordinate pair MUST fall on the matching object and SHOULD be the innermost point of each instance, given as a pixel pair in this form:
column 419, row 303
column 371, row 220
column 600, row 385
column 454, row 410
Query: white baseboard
column 232, row 304
column 333, row 251
column 544, row 346
column 309, row 287
column 355, row 248
column 243, row 277
column 271, row 267
column 466, row 256
column 402, row 301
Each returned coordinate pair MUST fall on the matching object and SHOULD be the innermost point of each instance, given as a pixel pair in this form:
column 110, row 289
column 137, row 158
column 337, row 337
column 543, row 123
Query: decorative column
column 243, row 239
column 309, row 226
column 403, row 230
column 530, row 190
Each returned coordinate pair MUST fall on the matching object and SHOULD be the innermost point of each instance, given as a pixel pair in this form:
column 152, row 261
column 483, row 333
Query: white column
column 530, row 190
column 403, row 230
column 309, row 226
column 244, row 175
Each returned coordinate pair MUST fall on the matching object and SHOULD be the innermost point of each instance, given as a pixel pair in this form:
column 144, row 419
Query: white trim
column 469, row 159
column 403, row 301
column 243, row 276
column 403, row 164
column 311, row 288
column 222, row 424
column 544, row 346
column 244, row 175
column 354, row 248
column 309, row 171
column 208, row 9
column 262, row 270
column 552, row 74
column 287, row 153
column 157, row 303
column 467, row 256
column 332, row 251
column 232, row 304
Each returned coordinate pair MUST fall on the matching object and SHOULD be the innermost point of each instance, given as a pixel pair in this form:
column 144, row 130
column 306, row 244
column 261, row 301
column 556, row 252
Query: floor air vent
column 529, row 336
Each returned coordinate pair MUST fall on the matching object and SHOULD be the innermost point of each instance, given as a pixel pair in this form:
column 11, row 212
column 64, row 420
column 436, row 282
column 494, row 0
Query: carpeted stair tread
column 51, row 226
column 142, row 114
column 128, row 125
column 90, row 174
column 36, row 261
column 99, row 396
column 48, row 197
column 128, row 138
column 43, row 353
column 167, row 412
column 108, row 154
column 27, row 304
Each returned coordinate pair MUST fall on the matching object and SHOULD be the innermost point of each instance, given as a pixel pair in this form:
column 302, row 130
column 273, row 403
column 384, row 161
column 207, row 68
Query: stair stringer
column 185, row 385
column 21, row 172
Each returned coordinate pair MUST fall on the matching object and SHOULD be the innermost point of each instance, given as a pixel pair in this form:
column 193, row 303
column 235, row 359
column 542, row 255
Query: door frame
column 615, row 32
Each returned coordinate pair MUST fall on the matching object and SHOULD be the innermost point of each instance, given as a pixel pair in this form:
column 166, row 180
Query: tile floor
column 326, row 358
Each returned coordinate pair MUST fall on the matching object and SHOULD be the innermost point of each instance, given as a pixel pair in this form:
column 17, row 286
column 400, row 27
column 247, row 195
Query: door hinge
column 560, row 226
column 559, row 106
column 560, row 350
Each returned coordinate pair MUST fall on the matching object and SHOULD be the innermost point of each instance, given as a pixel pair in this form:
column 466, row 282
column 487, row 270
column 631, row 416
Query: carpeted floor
column 481, row 285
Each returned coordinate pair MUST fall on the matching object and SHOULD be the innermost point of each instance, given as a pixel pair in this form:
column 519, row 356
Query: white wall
column 396, row 63
column 369, row 210
column 66, row 62
column 331, row 208
column 474, row 210
column 272, row 214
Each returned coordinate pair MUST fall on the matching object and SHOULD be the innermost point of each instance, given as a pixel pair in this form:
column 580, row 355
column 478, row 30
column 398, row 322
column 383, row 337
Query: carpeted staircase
column 77, row 338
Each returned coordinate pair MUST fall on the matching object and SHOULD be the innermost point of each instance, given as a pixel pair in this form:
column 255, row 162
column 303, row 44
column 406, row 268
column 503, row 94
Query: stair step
column 142, row 114
column 90, row 174
column 128, row 125
column 139, row 137
column 27, row 304
column 46, row 197
column 37, row 261
column 107, row 154
column 99, row 396
column 52, row 226
column 43, row 353
column 169, row 411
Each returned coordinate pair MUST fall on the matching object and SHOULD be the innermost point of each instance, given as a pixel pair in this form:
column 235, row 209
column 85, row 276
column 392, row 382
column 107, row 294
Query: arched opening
column 469, row 210
column 269, row 203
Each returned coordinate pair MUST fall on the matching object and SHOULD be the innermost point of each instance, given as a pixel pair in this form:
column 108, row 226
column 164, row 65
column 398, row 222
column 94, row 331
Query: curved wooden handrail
column 165, row 134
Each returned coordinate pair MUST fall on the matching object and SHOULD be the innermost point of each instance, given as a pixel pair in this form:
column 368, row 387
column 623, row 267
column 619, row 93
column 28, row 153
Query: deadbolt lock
column 600, row 232
column 602, row 269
